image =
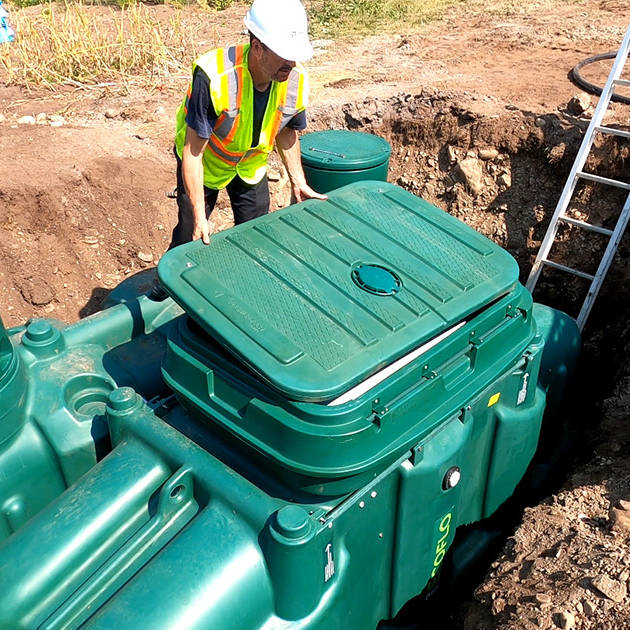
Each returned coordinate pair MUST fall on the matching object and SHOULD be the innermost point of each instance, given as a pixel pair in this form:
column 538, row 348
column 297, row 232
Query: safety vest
column 229, row 150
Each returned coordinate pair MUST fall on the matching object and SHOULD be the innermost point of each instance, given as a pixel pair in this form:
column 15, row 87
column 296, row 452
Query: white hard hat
column 282, row 26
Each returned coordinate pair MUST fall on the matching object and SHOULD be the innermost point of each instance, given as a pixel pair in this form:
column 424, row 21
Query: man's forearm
column 192, row 174
column 288, row 145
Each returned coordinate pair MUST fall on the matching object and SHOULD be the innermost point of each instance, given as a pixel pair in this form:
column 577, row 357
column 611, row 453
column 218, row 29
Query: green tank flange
column 12, row 388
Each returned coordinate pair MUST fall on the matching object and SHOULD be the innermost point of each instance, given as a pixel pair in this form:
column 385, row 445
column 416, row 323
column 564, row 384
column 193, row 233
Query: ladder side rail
column 604, row 265
column 580, row 161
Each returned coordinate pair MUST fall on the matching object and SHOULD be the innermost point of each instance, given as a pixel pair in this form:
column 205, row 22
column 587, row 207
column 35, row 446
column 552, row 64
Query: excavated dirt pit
column 83, row 222
column 502, row 171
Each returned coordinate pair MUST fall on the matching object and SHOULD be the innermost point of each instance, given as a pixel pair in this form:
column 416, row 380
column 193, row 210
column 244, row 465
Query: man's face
column 275, row 67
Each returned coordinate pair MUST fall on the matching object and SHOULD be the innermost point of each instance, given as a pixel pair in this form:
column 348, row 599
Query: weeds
column 63, row 43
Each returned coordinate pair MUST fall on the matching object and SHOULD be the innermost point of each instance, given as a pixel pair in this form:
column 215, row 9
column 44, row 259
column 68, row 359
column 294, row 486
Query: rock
column 160, row 110
column 540, row 122
column 470, row 172
column 37, row 291
column 56, row 120
column 42, row 117
column 144, row 257
column 26, row 120
column 579, row 104
column 543, row 598
column 429, row 190
column 273, row 175
column 488, row 154
column 556, row 153
column 564, row 620
column 498, row 605
column 505, row 179
column 451, row 154
column 624, row 505
column 606, row 586
column 111, row 113
column 2, row 118
column 589, row 608
column 619, row 520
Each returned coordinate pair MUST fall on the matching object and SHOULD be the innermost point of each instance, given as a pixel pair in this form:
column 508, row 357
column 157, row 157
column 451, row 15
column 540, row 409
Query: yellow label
column 494, row 399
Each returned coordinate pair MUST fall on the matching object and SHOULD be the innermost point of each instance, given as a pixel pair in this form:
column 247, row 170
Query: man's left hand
column 302, row 191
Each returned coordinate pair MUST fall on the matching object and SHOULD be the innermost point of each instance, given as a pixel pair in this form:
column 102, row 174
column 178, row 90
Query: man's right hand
column 202, row 230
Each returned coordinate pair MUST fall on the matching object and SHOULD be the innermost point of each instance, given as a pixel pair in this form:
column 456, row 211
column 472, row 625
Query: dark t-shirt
column 201, row 115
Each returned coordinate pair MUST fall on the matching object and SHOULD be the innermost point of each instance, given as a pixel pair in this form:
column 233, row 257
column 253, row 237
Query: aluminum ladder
column 577, row 173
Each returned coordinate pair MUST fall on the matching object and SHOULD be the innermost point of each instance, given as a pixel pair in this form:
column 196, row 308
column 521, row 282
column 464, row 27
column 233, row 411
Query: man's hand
column 203, row 228
column 288, row 145
column 192, row 174
column 302, row 191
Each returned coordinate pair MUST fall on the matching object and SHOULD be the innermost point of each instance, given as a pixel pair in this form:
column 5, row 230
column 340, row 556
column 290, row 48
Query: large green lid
column 316, row 297
column 339, row 150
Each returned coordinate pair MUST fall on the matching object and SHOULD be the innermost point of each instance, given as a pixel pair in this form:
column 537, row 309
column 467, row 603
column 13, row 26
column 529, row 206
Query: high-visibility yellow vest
column 229, row 151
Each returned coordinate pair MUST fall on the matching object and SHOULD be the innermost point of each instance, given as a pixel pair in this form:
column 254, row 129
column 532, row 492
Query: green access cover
column 341, row 150
column 316, row 297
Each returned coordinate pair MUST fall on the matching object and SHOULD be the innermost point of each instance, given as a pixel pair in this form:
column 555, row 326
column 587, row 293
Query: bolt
column 380, row 534
column 362, row 504
column 373, row 495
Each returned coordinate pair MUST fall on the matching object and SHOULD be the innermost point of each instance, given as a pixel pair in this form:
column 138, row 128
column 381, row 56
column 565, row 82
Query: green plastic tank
column 291, row 441
column 335, row 158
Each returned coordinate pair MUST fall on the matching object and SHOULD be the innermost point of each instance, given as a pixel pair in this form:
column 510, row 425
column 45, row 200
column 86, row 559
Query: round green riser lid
column 340, row 150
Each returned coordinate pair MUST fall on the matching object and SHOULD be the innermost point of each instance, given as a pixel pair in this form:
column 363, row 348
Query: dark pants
column 248, row 202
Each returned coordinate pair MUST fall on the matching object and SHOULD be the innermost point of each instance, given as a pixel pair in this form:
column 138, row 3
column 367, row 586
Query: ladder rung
column 575, row 272
column 603, row 180
column 586, row 226
column 614, row 132
column 624, row 82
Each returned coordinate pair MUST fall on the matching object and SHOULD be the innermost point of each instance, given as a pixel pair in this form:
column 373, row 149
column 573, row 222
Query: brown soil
column 84, row 204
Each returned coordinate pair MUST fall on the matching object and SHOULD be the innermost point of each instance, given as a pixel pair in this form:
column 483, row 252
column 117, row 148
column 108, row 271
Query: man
column 241, row 101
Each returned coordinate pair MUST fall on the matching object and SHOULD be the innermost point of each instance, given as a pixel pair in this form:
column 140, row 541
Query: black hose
column 575, row 76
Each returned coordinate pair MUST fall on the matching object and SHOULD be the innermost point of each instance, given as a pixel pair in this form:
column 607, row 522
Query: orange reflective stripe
column 230, row 137
column 275, row 127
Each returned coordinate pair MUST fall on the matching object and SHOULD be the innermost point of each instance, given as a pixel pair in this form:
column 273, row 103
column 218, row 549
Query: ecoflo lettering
column 440, row 549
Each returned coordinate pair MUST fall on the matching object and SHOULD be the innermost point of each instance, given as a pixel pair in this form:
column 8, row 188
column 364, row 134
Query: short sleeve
column 298, row 122
column 201, row 116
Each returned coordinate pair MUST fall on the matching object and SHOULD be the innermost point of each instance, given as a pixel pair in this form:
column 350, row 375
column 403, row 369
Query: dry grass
column 72, row 43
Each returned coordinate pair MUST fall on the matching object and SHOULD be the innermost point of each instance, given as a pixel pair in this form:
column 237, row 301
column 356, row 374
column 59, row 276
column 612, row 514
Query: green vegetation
column 333, row 18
